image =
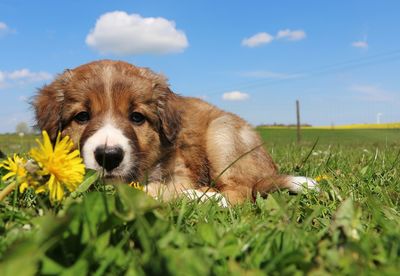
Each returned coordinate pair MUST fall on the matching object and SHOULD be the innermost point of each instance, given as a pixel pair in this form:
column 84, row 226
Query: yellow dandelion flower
column 136, row 185
column 17, row 171
column 61, row 164
column 321, row 177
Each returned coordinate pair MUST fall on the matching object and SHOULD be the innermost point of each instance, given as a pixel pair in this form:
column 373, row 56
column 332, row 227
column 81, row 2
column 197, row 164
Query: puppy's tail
column 295, row 184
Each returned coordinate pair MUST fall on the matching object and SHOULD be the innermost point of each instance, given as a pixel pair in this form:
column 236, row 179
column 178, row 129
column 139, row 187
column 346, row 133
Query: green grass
column 352, row 226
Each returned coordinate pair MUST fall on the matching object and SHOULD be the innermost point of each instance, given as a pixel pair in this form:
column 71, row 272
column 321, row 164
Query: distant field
column 359, row 137
column 12, row 143
column 351, row 126
column 364, row 126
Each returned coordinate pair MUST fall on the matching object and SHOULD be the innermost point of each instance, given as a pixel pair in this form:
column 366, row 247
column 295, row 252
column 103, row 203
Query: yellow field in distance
column 352, row 126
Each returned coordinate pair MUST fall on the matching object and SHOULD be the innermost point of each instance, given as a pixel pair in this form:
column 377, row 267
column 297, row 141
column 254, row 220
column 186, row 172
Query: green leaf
column 347, row 218
column 364, row 170
column 271, row 205
column 21, row 259
column 81, row 267
column 91, row 177
column 50, row 228
column 95, row 210
column 207, row 233
column 185, row 262
column 50, row 267
column 236, row 270
column 102, row 243
column 230, row 246
column 173, row 238
column 132, row 202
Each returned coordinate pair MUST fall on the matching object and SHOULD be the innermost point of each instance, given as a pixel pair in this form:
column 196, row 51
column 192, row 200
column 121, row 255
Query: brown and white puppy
column 130, row 125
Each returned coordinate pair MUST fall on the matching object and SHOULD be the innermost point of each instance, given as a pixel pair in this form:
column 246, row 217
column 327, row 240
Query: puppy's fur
column 182, row 143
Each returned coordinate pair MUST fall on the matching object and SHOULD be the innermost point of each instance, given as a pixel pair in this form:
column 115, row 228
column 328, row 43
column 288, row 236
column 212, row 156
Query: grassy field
column 336, row 137
column 13, row 143
column 351, row 226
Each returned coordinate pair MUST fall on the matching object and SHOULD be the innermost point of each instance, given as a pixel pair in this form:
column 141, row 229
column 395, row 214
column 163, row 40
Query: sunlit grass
column 350, row 227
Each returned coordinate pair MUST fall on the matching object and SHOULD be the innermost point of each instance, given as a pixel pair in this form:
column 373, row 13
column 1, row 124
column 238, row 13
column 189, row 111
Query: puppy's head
column 120, row 116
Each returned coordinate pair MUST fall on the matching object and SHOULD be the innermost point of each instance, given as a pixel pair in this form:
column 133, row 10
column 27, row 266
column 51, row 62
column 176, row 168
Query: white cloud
column 23, row 98
column 257, row 40
column 27, row 75
column 371, row 93
column 3, row 26
column 235, row 96
column 4, row 29
column 22, row 76
column 292, row 35
column 2, row 80
column 131, row 34
column 360, row 44
column 265, row 38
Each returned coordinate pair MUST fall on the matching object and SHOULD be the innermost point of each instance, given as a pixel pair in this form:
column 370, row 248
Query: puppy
column 132, row 127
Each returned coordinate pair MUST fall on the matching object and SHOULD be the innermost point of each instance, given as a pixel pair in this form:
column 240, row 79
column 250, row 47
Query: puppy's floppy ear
column 48, row 105
column 168, row 113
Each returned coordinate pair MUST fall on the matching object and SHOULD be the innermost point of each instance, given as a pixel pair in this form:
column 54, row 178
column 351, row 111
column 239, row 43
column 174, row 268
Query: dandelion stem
column 7, row 190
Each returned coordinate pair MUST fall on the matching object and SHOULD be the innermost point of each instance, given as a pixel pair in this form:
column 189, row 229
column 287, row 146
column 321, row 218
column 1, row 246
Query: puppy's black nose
column 109, row 157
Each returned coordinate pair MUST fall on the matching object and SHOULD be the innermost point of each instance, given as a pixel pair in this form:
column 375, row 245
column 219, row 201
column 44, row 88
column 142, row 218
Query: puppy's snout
column 109, row 157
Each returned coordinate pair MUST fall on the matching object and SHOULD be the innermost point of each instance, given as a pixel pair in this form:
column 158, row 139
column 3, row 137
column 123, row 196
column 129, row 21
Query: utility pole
column 298, row 121
column 378, row 118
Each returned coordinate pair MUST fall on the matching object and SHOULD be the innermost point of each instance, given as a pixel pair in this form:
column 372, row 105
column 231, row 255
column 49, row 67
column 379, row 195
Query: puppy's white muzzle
column 108, row 150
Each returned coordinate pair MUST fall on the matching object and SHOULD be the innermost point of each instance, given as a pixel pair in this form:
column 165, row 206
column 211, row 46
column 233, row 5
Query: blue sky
column 341, row 59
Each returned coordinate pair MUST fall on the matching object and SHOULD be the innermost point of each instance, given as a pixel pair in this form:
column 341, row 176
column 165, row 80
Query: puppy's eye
column 137, row 118
column 82, row 117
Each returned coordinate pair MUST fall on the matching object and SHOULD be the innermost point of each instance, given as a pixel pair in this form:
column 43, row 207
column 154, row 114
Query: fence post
column 298, row 121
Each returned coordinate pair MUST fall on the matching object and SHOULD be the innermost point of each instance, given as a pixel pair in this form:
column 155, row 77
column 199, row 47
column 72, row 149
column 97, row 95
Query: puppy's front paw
column 204, row 196
column 298, row 183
